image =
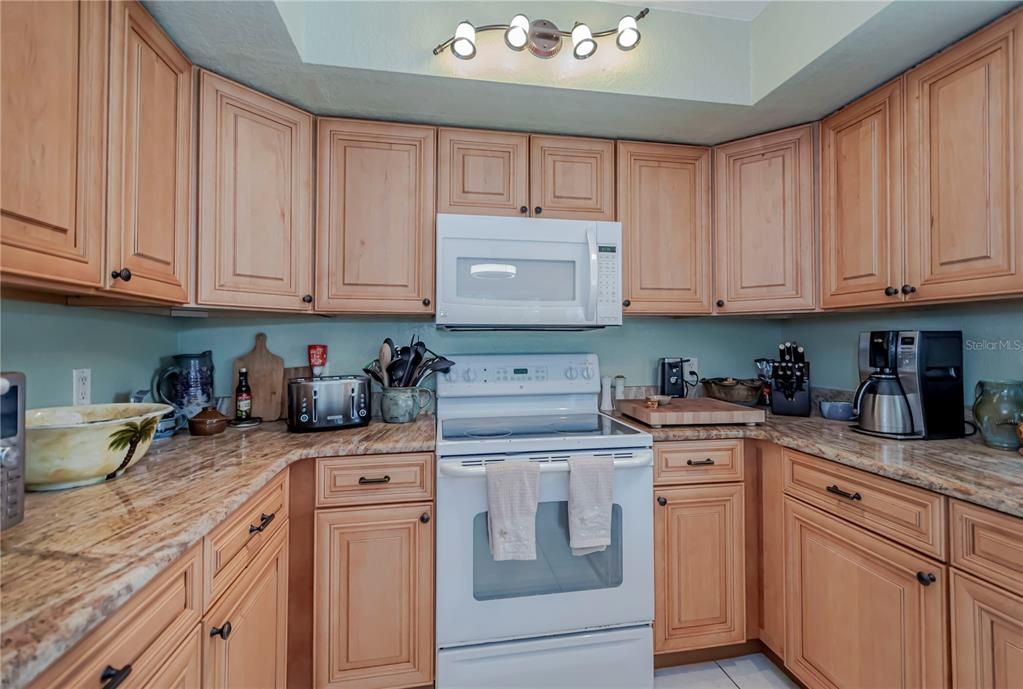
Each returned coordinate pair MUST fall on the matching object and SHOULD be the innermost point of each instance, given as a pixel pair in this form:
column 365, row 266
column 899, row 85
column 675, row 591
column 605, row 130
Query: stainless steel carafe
column 883, row 405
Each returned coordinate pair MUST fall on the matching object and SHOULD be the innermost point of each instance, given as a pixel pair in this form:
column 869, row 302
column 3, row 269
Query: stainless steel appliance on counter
column 911, row 384
column 671, row 382
column 328, row 403
column 12, row 448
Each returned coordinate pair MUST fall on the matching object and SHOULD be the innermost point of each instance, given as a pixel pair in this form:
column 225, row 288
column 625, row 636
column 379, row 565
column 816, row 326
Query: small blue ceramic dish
column 837, row 411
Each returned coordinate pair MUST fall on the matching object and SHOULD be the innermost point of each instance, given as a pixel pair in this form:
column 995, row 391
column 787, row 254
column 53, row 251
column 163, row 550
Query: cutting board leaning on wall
column 266, row 378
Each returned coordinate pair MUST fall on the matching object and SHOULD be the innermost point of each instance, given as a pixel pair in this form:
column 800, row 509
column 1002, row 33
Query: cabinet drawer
column 143, row 634
column 988, row 544
column 374, row 479
column 704, row 461
column 233, row 544
column 911, row 516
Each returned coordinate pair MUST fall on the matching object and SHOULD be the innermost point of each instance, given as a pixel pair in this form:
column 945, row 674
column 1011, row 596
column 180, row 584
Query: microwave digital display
column 607, row 249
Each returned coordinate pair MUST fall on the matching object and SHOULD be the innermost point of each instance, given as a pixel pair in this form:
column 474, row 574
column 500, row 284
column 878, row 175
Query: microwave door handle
column 591, row 243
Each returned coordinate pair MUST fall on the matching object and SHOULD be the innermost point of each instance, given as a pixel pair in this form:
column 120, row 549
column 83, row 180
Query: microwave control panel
column 609, row 310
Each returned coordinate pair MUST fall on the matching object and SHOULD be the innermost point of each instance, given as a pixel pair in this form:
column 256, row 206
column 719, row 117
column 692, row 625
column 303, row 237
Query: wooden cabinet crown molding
column 375, row 217
column 53, row 114
column 149, row 165
column 482, row 172
column 764, row 248
column 255, row 233
column 861, row 177
column 664, row 198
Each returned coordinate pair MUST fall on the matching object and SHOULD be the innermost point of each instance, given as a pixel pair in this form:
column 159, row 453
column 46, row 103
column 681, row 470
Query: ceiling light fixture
column 543, row 38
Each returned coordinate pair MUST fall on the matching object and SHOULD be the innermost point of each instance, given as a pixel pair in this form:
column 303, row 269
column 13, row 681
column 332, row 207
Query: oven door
column 508, row 272
column 479, row 599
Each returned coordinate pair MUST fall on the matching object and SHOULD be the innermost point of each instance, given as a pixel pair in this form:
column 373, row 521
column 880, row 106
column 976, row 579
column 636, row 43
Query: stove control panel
column 523, row 374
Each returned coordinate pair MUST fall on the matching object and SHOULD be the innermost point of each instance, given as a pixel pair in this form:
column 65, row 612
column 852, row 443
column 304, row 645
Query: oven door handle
column 458, row 470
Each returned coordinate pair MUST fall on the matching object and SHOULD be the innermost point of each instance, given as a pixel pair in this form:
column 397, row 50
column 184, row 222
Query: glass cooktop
column 520, row 427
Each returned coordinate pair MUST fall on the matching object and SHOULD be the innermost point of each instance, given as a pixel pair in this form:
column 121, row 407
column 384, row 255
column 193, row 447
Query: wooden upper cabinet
column 482, row 172
column 53, row 114
column 861, row 611
column 150, row 159
column 664, row 206
column 375, row 217
column 764, row 250
column 373, row 597
column 255, row 199
column 699, row 567
column 987, row 635
column 964, row 193
column 252, row 652
column 572, row 178
column 862, row 177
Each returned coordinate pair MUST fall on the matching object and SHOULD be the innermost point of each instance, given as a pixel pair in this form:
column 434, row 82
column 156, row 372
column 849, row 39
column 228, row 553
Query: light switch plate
column 81, row 386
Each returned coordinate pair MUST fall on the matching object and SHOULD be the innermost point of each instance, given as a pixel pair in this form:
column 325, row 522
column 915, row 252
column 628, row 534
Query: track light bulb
column 517, row 34
column 583, row 44
column 628, row 34
column 464, row 45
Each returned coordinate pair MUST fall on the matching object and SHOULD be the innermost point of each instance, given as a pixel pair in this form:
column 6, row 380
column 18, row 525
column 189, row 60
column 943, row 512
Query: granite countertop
column 80, row 554
column 964, row 468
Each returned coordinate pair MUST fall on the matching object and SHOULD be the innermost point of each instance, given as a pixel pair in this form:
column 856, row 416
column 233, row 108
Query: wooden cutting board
column 697, row 411
column 266, row 378
column 289, row 373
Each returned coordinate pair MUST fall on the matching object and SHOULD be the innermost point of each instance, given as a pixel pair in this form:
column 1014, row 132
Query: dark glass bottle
column 243, row 396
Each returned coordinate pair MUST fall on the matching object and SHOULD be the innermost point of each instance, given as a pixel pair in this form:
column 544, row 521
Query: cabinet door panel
column 183, row 670
column 965, row 176
column 664, row 205
column 861, row 200
column 857, row 616
column 987, row 635
column 699, row 564
column 375, row 217
column 480, row 172
column 255, row 199
column 572, row 178
column 764, row 251
column 54, row 63
column 254, row 654
column 148, row 218
column 373, row 589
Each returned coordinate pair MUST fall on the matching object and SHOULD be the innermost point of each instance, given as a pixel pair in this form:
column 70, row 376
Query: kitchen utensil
column 207, row 422
column 266, row 377
column 740, row 391
column 418, row 354
column 431, row 366
column 997, row 410
column 328, row 403
column 399, row 367
column 402, row 405
column 690, row 411
column 372, row 369
column 317, row 354
column 384, row 360
column 91, row 443
column 837, row 411
column 790, row 381
column 289, row 373
column 187, row 384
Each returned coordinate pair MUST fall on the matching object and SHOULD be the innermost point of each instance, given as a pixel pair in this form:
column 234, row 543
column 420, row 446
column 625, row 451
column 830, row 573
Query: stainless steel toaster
column 328, row 402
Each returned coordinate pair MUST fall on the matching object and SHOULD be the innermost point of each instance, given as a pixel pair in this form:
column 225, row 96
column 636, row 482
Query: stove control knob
column 469, row 375
column 586, row 373
column 571, row 373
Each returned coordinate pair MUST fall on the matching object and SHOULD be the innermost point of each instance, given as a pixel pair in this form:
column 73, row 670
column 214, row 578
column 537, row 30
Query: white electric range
column 560, row 621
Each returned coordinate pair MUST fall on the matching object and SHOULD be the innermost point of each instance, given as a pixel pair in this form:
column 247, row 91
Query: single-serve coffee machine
column 911, row 384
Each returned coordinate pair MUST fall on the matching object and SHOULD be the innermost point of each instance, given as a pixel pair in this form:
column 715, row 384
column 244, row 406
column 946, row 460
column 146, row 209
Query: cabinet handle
column 524, row 210
column 113, row 677
column 426, row 302
column 425, row 517
column 926, row 578
column 264, row 521
column 908, row 289
column 841, row 493
column 383, row 479
column 699, row 462
column 720, row 303
column 627, row 303
column 662, row 501
column 537, row 210
column 123, row 274
column 890, row 291
column 308, row 299
column 222, row 632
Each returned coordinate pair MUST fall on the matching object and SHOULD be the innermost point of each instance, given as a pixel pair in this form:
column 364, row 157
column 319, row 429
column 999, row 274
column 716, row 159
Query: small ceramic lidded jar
column 998, row 412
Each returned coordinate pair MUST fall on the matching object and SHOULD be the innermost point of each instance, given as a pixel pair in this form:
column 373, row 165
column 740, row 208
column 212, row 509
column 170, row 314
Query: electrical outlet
column 690, row 370
column 81, row 386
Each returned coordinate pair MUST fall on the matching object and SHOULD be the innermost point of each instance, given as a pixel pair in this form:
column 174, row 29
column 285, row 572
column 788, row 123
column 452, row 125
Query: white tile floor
column 746, row 672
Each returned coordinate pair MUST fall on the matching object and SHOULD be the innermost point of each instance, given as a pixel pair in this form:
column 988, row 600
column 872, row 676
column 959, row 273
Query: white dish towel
column 590, row 487
column 512, row 491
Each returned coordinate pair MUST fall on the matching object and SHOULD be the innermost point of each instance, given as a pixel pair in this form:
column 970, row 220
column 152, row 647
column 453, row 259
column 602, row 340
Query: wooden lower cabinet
column 771, row 541
column 699, row 567
column 987, row 635
column 373, row 597
column 183, row 670
column 861, row 611
column 252, row 651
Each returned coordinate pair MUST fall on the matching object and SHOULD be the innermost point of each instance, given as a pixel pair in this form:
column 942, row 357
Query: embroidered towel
column 590, row 485
column 512, row 491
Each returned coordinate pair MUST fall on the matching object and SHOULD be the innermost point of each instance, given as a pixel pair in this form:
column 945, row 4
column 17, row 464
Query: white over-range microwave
column 497, row 272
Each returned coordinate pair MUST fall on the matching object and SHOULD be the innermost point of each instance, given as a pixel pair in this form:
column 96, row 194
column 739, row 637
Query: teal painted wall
column 992, row 339
column 47, row 341
column 723, row 346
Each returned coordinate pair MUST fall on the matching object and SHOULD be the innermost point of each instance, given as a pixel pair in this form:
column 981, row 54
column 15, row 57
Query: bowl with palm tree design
column 68, row 447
